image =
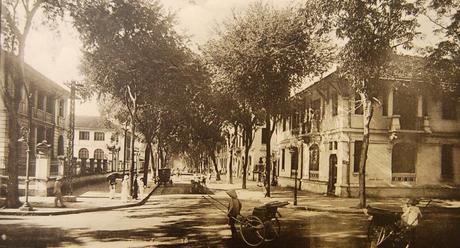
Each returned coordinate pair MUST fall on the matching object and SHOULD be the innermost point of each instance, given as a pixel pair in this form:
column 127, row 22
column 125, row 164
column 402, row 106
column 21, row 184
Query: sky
column 56, row 53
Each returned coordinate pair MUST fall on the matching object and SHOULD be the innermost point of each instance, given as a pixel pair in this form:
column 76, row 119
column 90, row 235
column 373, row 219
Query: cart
column 164, row 176
column 263, row 225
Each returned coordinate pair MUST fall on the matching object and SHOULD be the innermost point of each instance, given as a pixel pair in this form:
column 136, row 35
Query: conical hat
column 232, row 193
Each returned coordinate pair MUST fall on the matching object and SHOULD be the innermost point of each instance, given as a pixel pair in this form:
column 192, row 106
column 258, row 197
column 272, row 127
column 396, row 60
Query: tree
column 267, row 52
column 444, row 59
column 373, row 30
column 236, row 111
column 130, row 52
column 17, row 18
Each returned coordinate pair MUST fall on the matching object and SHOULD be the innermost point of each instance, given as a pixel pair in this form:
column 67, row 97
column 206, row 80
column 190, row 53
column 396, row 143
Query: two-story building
column 414, row 144
column 49, row 104
column 100, row 146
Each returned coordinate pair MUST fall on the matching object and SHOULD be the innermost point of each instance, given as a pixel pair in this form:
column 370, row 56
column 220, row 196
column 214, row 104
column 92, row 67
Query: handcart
column 261, row 226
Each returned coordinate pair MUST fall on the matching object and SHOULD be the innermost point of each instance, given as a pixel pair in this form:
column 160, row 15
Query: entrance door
column 332, row 174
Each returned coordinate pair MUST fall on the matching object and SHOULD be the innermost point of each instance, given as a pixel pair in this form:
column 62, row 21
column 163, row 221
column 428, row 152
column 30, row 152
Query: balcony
column 42, row 115
column 420, row 124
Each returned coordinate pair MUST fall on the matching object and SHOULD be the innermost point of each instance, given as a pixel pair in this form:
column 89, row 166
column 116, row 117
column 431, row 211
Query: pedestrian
column 135, row 188
column 410, row 218
column 141, row 187
column 234, row 208
column 210, row 174
column 58, row 193
column 112, row 186
column 125, row 189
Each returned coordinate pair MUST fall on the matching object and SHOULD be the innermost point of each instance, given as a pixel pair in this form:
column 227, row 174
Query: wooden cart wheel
column 272, row 229
column 252, row 231
column 378, row 234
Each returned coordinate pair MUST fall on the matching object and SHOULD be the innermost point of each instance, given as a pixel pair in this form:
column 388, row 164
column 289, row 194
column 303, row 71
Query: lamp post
column 25, row 139
column 292, row 150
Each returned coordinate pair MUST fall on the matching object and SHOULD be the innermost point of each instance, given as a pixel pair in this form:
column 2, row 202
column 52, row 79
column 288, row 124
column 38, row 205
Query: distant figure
column 58, row 193
column 234, row 208
column 125, row 189
column 141, row 187
column 112, row 186
column 135, row 188
column 210, row 174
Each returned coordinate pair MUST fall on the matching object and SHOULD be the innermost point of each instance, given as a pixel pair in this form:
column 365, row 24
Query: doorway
column 332, row 174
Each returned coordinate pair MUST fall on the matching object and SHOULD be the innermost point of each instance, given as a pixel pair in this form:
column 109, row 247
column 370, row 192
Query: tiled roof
column 37, row 77
column 92, row 122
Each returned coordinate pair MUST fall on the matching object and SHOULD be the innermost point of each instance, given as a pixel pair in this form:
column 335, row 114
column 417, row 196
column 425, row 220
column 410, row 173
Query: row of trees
column 190, row 104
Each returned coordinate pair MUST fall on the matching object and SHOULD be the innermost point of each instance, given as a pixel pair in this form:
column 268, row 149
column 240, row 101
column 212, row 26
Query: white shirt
column 411, row 215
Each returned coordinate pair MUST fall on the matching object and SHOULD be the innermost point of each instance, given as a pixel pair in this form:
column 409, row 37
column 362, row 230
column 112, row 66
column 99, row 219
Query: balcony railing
column 403, row 177
column 313, row 175
column 43, row 115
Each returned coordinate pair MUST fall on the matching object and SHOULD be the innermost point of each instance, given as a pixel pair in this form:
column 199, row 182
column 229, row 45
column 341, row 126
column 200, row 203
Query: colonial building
column 49, row 104
column 414, row 144
column 100, row 146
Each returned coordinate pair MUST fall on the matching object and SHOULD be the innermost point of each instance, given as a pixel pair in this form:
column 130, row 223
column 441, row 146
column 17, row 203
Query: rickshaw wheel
column 377, row 234
column 272, row 229
column 252, row 231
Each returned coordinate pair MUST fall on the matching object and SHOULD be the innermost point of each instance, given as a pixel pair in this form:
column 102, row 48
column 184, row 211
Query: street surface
column 175, row 218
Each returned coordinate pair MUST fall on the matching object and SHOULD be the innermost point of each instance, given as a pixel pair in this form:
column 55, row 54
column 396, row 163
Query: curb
column 83, row 210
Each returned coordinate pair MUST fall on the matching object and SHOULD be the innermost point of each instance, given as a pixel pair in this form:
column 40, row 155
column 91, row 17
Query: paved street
column 174, row 218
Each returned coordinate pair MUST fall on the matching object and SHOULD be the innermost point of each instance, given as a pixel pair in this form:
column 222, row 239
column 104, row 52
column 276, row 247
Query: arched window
column 83, row 153
column 403, row 159
column 98, row 154
column 60, row 150
column 314, row 162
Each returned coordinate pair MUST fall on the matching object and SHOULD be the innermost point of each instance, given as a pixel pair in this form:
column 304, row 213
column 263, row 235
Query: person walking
column 58, row 193
column 125, row 189
column 112, row 186
column 135, row 188
column 141, row 187
column 234, row 208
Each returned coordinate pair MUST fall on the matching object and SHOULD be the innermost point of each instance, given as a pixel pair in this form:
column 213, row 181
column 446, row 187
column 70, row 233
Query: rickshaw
column 164, row 176
column 261, row 226
column 385, row 229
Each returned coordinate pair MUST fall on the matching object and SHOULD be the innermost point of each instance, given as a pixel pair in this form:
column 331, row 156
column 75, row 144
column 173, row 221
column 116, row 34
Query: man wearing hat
column 234, row 208
column 58, row 193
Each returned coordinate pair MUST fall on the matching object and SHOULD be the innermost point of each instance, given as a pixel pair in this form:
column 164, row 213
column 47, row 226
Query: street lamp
column 292, row 150
column 25, row 139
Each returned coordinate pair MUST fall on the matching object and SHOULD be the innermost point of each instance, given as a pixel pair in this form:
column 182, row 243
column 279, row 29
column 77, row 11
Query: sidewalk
column 90, row 198
column 318, row 202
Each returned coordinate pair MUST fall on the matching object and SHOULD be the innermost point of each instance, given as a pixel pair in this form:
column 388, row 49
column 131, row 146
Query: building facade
column 414, row 145
column 49, row 104
column 100, row 146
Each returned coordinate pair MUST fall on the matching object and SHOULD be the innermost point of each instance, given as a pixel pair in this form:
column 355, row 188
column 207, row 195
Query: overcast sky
column 56, row 53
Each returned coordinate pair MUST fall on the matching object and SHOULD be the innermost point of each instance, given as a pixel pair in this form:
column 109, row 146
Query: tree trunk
column 245, row 164
column 267, row 153
column 12, row 197
column 154, row 170
column 131, row 169
column 367, row 117
column 213, row 158
column 147, row 151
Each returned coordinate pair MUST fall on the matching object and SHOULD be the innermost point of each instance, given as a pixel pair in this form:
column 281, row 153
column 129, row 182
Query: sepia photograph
column 230, row 123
